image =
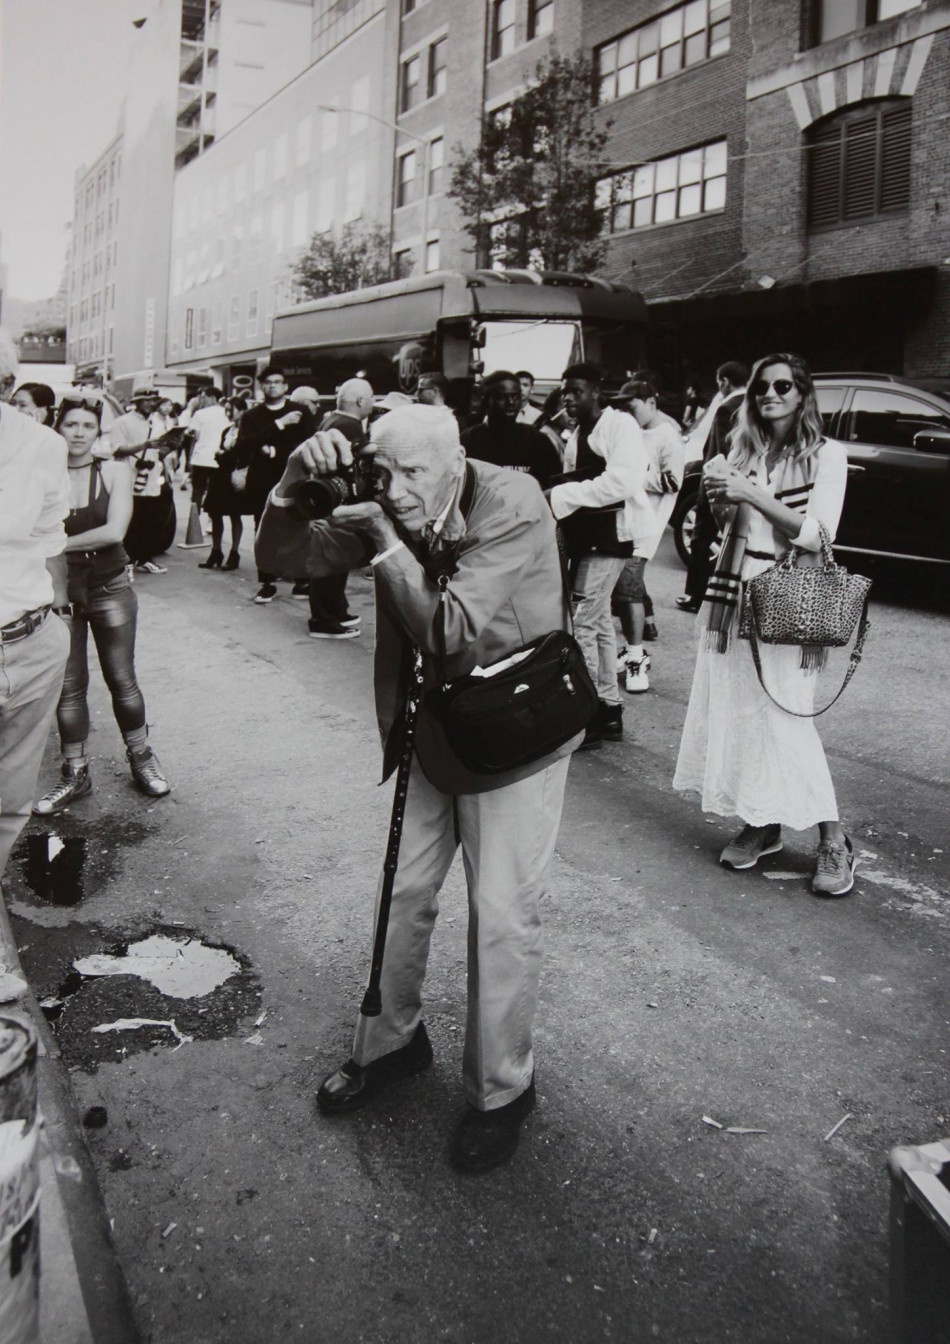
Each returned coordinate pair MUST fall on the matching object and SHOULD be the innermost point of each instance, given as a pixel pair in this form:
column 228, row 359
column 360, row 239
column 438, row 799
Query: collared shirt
column 528, row 414
column 209, row 423
column 34, row 500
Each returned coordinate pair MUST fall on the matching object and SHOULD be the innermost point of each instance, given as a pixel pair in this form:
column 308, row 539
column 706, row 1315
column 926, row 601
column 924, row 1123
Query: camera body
column 354, row 484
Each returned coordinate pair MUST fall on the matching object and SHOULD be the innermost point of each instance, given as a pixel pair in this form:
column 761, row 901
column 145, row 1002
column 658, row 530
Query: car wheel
column 684, row 524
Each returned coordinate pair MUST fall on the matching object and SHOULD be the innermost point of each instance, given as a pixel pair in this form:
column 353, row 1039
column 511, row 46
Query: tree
column 528, row 189
column 361, row 256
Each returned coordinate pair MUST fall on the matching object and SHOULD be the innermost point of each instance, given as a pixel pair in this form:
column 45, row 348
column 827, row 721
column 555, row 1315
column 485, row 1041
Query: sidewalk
column 83, row 1296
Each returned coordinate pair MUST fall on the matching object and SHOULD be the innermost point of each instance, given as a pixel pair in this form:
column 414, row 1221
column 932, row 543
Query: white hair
column 9, row 360
column 417, row 427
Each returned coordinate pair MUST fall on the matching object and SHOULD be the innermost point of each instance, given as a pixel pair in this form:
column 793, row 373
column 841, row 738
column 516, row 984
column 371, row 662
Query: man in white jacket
column 609, row 514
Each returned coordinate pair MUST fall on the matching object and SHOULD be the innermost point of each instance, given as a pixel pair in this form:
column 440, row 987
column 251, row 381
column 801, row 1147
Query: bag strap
column 855, row 658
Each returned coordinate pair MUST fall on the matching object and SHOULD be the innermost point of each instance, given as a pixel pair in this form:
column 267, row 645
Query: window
column 691, row 183
column 540, row 18
column 437, row 76
column 259, row 172
column 234, row 318
column 359, row 103
column 403, row 263
column 334, row 20
column 189, row 328
column 280, row 156
column 432, row 255
column 256, row 240
column 410, row 88
column 277, row 225
column 436, row 165
column 891, row 420
column 406, row 178
column 355, row 190
column 326, row 198
column 302, row 143
column 834, row 18
column 298, row 223
column 859, row 165
column 252, row 313
column 217, row 313
column 240, row 182
column 328, row 128
column 407, row 7
column 237, row 244
column 502, row 28
column 202, row 328
column 679, row 39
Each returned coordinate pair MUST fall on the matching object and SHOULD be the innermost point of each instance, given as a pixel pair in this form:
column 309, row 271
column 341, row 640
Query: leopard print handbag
column 817, row 607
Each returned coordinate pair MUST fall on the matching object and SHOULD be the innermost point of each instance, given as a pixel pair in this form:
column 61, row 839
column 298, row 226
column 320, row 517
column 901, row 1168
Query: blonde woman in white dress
column 743, row 754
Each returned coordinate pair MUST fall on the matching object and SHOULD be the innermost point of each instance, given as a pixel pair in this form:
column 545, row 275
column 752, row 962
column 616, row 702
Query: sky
column 61, row 75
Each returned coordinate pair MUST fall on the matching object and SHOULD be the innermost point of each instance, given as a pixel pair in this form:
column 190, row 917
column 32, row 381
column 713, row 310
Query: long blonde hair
column 749, row 439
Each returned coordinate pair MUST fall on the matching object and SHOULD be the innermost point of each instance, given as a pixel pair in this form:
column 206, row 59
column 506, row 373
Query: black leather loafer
column 355, row 1085
column 485, row 1139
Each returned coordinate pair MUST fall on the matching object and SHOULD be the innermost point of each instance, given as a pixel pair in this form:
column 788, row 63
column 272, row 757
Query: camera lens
column 322, row 495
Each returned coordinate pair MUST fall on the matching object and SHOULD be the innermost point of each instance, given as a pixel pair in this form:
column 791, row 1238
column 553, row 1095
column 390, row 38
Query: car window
column 829, row 404
column 890, row 419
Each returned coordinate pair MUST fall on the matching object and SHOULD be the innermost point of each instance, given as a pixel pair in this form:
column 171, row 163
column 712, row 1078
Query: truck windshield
column 544, row 348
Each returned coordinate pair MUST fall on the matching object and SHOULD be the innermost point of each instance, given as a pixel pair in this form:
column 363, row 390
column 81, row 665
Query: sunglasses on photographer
column 761, row 386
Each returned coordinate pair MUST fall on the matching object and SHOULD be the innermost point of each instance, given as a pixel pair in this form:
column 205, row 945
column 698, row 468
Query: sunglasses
column 89, row 401
column 761, row 386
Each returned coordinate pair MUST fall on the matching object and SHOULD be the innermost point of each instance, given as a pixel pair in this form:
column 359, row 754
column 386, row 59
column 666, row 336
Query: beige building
column 92, row 264
column 196, row 68
column 316, row 156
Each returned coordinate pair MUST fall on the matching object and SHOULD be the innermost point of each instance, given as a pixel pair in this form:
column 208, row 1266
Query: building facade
column 775, row 173
column 781, row 178
column 92, row 264
column 314, row 158
column 196, row 68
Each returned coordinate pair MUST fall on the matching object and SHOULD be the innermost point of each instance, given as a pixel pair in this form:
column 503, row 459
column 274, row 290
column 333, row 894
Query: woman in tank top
column 101, row 599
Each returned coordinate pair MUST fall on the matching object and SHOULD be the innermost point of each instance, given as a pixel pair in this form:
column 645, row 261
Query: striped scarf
column 794, row 480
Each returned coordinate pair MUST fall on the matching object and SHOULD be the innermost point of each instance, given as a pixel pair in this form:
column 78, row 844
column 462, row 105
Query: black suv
column 897, row 434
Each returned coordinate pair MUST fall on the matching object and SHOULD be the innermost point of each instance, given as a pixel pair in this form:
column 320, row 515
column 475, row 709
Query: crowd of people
column 531, row 518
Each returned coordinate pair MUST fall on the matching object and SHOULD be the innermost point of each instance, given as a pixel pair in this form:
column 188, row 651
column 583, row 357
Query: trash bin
column 920, row 1244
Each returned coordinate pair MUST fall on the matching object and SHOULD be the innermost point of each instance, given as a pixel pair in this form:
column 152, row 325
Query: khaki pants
column 31, row 675
column 507, row 839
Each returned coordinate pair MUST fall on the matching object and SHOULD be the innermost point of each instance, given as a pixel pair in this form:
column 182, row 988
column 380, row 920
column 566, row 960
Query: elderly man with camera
column 466, row 572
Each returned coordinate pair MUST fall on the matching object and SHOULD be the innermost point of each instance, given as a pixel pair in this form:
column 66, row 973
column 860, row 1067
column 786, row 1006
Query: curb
column 84, row 1298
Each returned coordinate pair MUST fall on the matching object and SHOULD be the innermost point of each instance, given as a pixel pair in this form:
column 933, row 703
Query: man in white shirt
column 34, row 642
column 604, row 512
column 527, row 414
column 208, row 420
column 664, row 443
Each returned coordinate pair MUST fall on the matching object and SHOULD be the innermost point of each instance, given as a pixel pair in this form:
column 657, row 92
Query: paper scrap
column 833, row 1131
column 708, row 1120
column 134, row 1023
column 741, row 1129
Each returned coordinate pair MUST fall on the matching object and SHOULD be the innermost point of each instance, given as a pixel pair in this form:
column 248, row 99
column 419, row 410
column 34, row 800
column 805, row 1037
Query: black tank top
column 87, row 568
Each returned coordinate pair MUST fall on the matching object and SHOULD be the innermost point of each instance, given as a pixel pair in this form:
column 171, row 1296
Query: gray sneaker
column 834, row 872
column 750, row 845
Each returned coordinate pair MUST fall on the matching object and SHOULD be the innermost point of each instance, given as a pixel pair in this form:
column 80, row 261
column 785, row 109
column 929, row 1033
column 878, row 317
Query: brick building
column 828, row 233
column 775, row 173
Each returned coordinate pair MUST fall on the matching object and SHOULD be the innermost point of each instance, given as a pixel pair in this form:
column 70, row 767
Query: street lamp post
column 419, row 139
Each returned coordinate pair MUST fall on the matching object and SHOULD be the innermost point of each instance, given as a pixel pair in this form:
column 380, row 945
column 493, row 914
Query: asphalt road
column 674, row 994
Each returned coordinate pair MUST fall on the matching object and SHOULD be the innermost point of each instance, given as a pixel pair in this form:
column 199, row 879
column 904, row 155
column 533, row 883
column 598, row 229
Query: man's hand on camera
column 322, row 455
column 370, row 521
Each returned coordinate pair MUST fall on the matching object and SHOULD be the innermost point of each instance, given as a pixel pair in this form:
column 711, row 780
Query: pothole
column 164, row 988
column 64, row 860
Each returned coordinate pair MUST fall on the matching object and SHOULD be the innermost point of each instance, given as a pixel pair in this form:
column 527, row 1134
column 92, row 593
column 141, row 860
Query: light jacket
column 508, row 590
column 616, row 437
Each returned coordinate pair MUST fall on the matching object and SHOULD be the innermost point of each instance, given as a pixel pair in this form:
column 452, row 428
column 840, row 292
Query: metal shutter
column 824, row 178
column 895, row 158
column 860, row 167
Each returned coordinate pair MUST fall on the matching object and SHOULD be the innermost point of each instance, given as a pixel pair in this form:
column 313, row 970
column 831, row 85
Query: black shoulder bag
column 519, row 709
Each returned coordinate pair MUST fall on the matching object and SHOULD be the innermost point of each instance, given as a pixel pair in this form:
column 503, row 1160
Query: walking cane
column 372, row 999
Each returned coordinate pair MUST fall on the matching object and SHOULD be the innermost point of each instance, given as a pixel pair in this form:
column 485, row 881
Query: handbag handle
column 790, row 559
column 855, row 658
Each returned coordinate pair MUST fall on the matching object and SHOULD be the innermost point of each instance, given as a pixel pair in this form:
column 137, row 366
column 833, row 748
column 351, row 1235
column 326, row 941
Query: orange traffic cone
column 194, row 537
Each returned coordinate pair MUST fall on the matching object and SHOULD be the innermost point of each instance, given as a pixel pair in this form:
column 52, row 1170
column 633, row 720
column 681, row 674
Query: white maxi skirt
column 744, row 755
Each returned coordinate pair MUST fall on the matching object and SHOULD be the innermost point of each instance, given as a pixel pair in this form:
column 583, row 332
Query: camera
column 355, row 484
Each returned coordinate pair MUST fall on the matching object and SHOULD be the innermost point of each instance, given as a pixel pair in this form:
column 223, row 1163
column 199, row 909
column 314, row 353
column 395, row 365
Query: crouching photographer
column 467, row 574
